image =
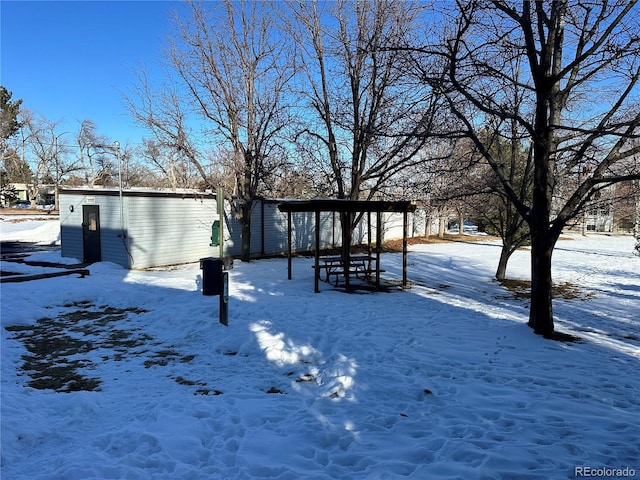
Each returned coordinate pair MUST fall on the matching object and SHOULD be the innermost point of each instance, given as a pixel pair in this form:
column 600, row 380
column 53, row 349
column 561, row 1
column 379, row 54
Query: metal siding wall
column 360, row 232
column 232, row 233
column 114, row 247
column 304, row 237
column 275, row 230
column 256, row 229
column 166, row 231
column 71, row 226
column 330, row 230
column 392, row 226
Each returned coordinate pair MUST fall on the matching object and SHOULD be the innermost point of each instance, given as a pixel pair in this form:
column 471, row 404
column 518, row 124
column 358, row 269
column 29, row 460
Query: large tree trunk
column 427, row 225
column 541, row 310
column 245, row 222
column 636, row 225
column 505, row 253
column 441, row 225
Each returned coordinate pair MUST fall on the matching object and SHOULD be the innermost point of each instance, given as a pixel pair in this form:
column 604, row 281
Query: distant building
column 613, row 211
column 46, row 194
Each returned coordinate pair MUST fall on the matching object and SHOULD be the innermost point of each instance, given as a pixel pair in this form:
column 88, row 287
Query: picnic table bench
column 361, row 266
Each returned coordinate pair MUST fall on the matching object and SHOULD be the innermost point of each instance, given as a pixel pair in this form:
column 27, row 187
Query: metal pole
column 378, row 246
column 346, row 246
column 289, row 243
column 117, row 145
column 224, row 276
column 220, row 205
column 316, row 273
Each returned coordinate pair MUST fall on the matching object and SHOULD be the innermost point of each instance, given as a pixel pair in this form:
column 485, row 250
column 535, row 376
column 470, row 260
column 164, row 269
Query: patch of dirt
column 207, row 392
column 563, row 337
column 203, row 387
column 60, row 352
column 522, row 289
column 163, row 358
column 274, row 390
column 184, row 381
column 58, row 348
column 396, row 245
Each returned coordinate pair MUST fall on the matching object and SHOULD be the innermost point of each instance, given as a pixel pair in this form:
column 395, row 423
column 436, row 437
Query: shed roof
column 136, row 192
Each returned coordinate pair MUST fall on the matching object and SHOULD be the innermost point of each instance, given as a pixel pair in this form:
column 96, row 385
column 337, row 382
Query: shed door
column 91, row 233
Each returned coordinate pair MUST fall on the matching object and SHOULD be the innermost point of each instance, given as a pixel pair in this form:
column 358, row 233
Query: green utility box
column 215, row 233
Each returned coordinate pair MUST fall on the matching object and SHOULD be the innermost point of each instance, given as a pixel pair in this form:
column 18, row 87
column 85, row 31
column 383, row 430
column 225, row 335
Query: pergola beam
column 346, row 206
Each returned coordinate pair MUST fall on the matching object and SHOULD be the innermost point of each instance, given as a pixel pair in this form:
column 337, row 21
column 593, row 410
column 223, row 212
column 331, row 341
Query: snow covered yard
column 442, row 381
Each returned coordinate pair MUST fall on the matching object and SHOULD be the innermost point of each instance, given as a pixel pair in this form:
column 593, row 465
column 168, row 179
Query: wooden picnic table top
column 357, row 258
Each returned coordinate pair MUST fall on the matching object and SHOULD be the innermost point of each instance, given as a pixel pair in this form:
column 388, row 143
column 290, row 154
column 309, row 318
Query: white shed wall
column 166, row 231
column 71, row 226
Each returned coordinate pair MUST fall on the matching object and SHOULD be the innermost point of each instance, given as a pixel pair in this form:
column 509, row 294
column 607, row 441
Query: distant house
column 149, row 228
column 45, row 195
column 21, row 190
column 614, row 211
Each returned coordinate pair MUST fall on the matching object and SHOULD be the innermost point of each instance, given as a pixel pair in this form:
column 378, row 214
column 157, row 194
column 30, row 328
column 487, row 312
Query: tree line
column 523, row 114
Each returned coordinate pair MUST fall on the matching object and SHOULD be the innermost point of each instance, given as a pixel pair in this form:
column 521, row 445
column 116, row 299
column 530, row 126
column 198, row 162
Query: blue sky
column 73, row 60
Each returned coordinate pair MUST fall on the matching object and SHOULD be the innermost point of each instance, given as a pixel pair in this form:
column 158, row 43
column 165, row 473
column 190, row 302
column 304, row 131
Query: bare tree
column 491, row 203
column 171, row 167
column 228, row 66
column 92, row 149
column 235, row 65
column 48, row 153
column 364, row 122
column 580, row 107
column 165, row 112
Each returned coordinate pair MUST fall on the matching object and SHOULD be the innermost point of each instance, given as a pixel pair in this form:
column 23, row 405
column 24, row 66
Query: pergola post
column 346, row 245
column 369, row 233
column 378, row 246
column 316, row 273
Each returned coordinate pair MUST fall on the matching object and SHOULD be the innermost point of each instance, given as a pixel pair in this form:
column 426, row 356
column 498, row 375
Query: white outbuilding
column 137, row 228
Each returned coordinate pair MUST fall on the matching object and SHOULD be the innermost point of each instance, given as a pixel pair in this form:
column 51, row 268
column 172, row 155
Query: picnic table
column 360, row 266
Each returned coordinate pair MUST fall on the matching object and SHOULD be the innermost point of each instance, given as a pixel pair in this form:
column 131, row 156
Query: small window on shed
column 93, row 224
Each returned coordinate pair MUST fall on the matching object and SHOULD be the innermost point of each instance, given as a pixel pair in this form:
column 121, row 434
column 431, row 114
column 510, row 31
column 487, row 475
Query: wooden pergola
column 347, row 209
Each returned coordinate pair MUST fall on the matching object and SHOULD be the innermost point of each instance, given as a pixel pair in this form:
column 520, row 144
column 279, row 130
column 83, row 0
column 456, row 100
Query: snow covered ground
column 442, row 381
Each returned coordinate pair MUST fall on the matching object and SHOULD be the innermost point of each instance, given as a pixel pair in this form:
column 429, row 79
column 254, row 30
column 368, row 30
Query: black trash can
column 211, row 275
